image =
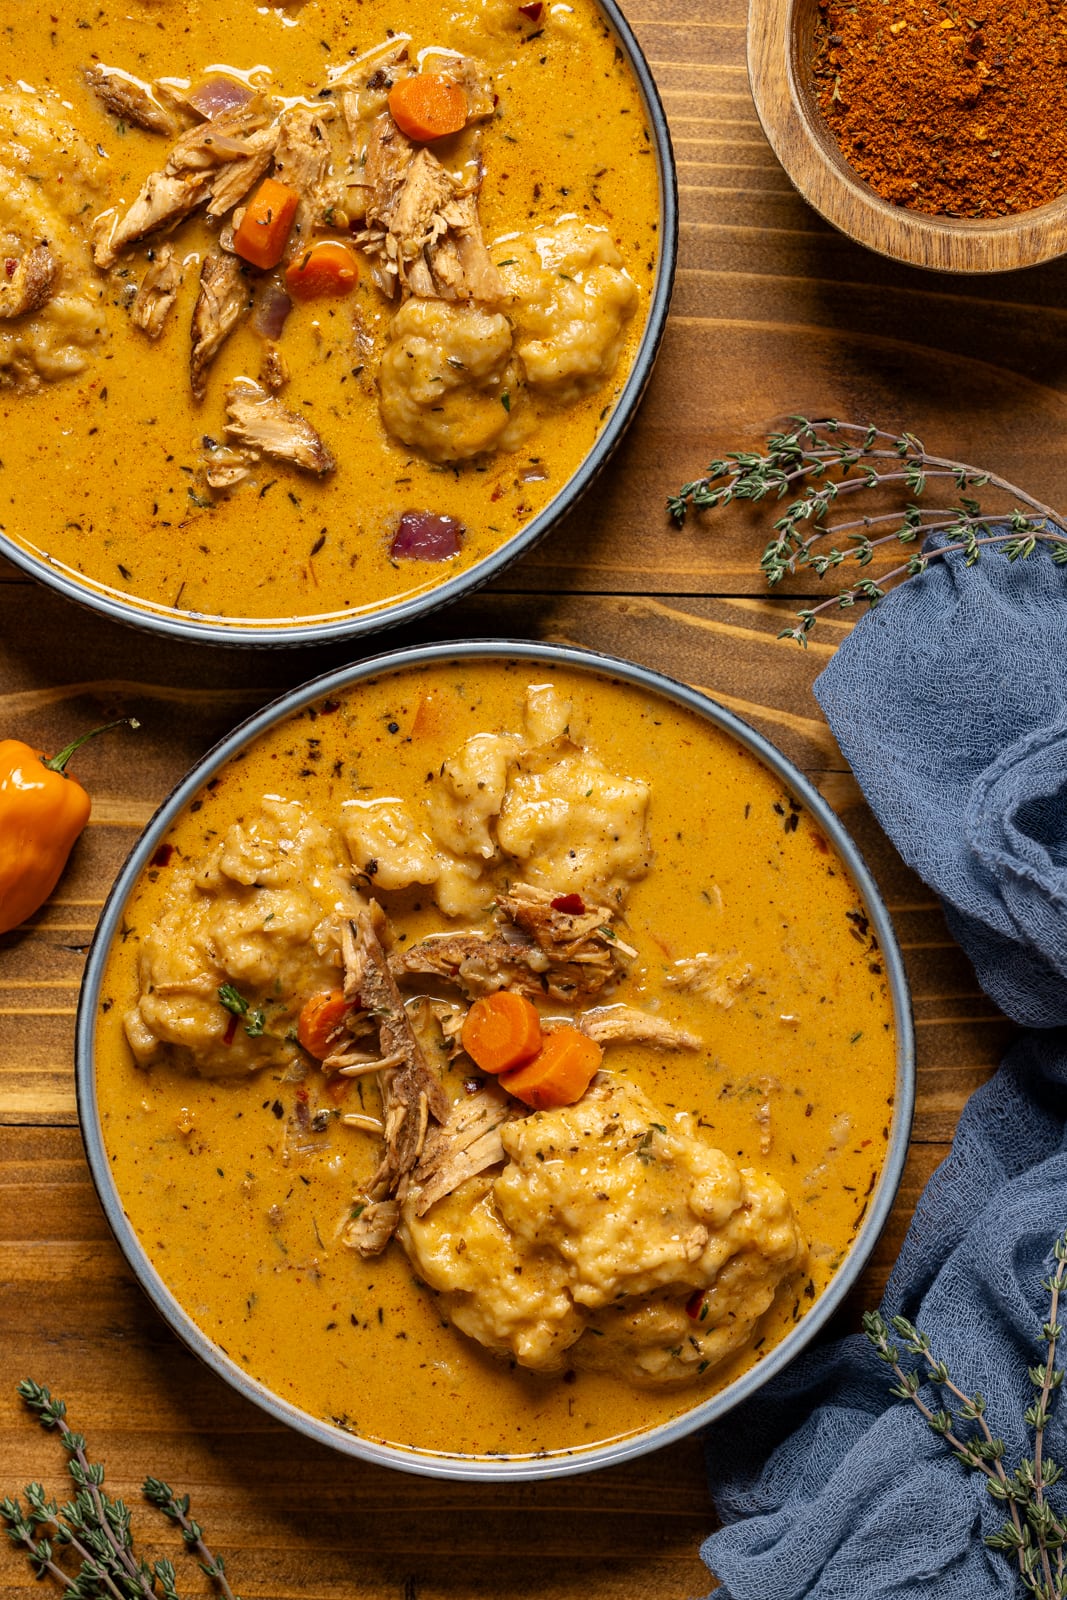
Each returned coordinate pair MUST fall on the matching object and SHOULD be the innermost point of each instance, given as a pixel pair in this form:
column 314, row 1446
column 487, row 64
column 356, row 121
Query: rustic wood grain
column 774, row 313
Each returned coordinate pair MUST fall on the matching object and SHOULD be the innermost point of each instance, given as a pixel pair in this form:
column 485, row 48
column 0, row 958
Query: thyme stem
column 1033, row 1534
column 97, row 1529
column 88, row 1478
column 42, row 1563
column 821, row 462
column 848, row 597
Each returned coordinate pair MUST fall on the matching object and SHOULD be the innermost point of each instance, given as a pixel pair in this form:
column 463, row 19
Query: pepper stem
column 59, row 762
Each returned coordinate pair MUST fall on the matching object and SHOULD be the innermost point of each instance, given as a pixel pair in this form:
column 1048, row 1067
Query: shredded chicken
column 718, row 977
column 190, row 177
column 426, row 188
column 127, row 97
column 457, row 261
column 225, row 468
column 166, row 199
column 575, row 935
column 629, row 1025
column 360, row 92
column 422, row 229
column 471, row 77
column 157, row 292
column 411, row 1094
column 237, row 177
column 468, row 1143
column 262, row 425
column 542, row 953
column 372, row 1226
column 302, row 160
column 274, row 369
column 223, row 299
column 228, row 137
column 27, row 283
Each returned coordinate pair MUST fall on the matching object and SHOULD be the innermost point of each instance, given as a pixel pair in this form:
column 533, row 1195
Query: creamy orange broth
column 99, row 472
column 737, row 865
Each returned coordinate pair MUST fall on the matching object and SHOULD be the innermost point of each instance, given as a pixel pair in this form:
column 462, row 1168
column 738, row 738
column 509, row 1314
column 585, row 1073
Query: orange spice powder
column 962, row 113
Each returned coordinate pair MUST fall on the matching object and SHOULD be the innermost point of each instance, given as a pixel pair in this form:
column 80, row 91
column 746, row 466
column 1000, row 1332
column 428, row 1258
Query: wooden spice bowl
column 781, row 48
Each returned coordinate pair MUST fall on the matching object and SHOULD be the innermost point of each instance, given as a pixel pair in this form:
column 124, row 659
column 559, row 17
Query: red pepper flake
column 162, row 856
column 572, row 904
column 694, row 1306
column 231, row 1029
column 328, row 707
column 302, row 1094
column 533, row 11
column 10, row 266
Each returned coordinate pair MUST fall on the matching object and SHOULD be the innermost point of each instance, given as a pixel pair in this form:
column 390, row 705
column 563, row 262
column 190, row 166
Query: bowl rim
column 817, row 168
column 491, row 1468
column 273, row 634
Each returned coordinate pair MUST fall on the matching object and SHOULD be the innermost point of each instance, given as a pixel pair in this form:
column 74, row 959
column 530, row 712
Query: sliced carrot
column 329, row 267
column 428, row 106
column 559, row 1074
column 319, row 1021
column 501, row 1031
column 263, row 232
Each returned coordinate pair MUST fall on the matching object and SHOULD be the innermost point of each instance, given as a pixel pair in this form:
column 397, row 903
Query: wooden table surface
column 773, row 313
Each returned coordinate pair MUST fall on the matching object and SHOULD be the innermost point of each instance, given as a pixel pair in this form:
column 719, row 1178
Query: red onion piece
column 425, row 536
column 215, row 96
column 533, row 11
column 272, row 308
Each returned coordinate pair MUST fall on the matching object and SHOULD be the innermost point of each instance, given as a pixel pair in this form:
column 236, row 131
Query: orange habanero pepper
column 42, row 812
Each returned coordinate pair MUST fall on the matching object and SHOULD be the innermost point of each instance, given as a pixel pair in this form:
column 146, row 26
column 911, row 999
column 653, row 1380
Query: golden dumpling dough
column 570, row 300
column 588, row 1247
column 259, row 914
column 449, row 384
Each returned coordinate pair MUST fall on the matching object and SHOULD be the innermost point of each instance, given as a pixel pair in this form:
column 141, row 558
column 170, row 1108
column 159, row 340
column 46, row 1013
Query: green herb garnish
column 817, row 464
column 94, row 1530
column 1034, row 1535
column 236, row 1004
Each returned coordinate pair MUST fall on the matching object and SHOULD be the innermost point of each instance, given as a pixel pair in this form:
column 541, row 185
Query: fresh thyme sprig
column 94, row 1529
column 1033, row 1533
column 822, row 463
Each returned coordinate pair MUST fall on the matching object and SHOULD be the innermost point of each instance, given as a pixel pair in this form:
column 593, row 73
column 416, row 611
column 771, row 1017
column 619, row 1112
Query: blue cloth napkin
column 950, row 702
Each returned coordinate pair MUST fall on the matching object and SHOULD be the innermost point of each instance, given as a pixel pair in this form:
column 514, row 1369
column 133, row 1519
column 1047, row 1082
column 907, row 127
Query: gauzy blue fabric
column 950, row 703
column 831, row 1489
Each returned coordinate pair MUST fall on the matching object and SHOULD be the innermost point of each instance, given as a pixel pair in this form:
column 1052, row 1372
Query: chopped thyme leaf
column 235, row 1003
